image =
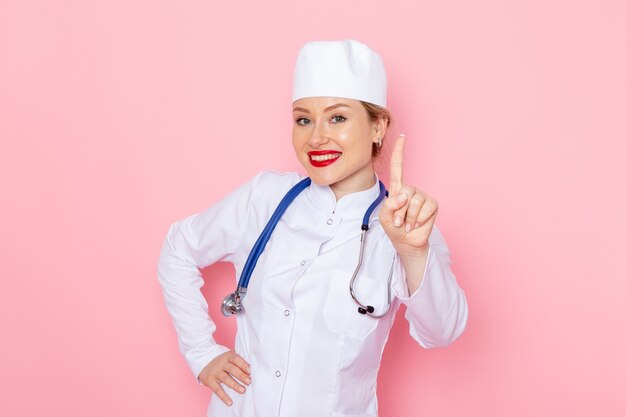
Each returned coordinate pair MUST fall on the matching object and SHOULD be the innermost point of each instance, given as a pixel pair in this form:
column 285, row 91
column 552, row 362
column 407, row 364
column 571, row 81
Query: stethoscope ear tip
column 370, row 310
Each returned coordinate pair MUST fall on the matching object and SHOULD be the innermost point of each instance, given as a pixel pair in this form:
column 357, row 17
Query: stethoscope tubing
column 232, row 302
column 367, row 309
column 260, row 244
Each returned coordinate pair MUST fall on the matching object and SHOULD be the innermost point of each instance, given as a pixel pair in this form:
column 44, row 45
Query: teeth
column 325, row 157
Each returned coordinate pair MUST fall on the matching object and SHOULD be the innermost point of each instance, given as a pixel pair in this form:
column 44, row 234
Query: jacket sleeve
column 193, row 243
column 437, row 311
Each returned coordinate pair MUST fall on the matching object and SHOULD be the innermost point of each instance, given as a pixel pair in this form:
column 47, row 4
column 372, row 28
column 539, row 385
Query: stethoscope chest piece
column 232, row 302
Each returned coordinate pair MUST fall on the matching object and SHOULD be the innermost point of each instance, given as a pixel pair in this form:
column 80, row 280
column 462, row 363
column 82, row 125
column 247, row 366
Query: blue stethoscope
column 232, row 303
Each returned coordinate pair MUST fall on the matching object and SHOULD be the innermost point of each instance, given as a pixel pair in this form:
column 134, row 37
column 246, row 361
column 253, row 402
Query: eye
column 300, row 119
column 339, row 117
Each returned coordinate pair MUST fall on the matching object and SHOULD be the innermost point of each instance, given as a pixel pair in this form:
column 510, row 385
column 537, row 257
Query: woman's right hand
column 222, row 369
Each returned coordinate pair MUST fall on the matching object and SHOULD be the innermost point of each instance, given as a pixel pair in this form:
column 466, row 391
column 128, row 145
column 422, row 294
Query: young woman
column 341, row 259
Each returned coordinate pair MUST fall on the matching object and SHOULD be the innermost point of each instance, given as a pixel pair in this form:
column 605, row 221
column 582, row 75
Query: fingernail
column 397, row 221
column 407, row 227
column 229, row 402
column 241, row 389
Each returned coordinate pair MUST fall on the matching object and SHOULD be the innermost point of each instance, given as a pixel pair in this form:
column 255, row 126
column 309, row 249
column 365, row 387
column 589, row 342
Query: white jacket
column 311, row 353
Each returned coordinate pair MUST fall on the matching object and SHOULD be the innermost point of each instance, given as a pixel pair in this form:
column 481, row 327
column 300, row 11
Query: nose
column 318, row 135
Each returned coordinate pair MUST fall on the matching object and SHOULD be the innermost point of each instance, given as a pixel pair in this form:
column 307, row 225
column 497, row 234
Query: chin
column 321, row 179
column 324, row 176
column 321, row 182
column 326, row 179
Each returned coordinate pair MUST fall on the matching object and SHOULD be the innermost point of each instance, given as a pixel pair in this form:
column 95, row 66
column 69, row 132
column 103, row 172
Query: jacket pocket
column 341, row 312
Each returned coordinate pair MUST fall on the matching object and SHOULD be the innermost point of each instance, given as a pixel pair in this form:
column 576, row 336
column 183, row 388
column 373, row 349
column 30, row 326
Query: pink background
column 118, row 118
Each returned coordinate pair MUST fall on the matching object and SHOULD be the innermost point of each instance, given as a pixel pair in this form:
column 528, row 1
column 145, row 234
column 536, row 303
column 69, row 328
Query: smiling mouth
column 326, row 157
column 321, row 159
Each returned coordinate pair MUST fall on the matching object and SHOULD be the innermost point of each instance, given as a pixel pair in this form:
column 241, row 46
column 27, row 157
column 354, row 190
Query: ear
column 379, row 128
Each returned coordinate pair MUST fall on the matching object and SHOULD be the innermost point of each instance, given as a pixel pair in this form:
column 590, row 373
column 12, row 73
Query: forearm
column 414, row 263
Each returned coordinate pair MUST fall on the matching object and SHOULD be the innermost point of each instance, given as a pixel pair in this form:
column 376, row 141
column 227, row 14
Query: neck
column 359, row 181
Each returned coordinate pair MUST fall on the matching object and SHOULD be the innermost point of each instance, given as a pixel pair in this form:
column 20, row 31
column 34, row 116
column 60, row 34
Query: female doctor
column 341, row 258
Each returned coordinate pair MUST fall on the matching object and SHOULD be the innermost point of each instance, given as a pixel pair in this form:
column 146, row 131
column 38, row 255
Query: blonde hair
column 375, row 112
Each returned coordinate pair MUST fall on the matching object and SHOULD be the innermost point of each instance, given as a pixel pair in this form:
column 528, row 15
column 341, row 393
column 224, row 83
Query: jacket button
column 303, row 262
column 277, row 373
column 329, row 221
column 287, row 312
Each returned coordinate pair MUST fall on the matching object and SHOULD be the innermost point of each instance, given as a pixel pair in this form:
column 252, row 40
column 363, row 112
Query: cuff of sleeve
column 198, row 361
column 437, row 311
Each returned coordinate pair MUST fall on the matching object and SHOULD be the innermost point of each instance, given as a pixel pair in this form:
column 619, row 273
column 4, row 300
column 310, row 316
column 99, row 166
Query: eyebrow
column 334, row 106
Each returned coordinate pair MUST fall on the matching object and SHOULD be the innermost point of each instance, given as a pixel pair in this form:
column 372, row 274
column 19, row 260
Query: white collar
column 351, row 205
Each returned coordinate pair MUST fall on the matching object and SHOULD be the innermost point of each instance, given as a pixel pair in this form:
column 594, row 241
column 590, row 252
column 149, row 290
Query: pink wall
column 118, row 117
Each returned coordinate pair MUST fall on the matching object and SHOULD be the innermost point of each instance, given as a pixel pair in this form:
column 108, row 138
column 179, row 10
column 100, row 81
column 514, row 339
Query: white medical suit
column 312, row 354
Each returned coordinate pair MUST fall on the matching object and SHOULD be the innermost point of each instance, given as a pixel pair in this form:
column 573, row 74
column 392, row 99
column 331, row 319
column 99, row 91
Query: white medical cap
column 347, row 68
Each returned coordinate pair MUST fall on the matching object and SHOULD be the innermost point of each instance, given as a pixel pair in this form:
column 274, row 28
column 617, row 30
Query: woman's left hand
column 408, row 214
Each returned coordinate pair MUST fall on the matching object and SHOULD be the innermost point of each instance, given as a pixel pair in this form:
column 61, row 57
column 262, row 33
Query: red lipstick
column 320, row 164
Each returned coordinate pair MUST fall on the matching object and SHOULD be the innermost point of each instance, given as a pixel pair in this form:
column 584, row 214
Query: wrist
column 414, row 252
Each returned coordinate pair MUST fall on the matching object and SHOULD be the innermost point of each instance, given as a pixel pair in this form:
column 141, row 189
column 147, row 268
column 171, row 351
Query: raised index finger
column 395, row 166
